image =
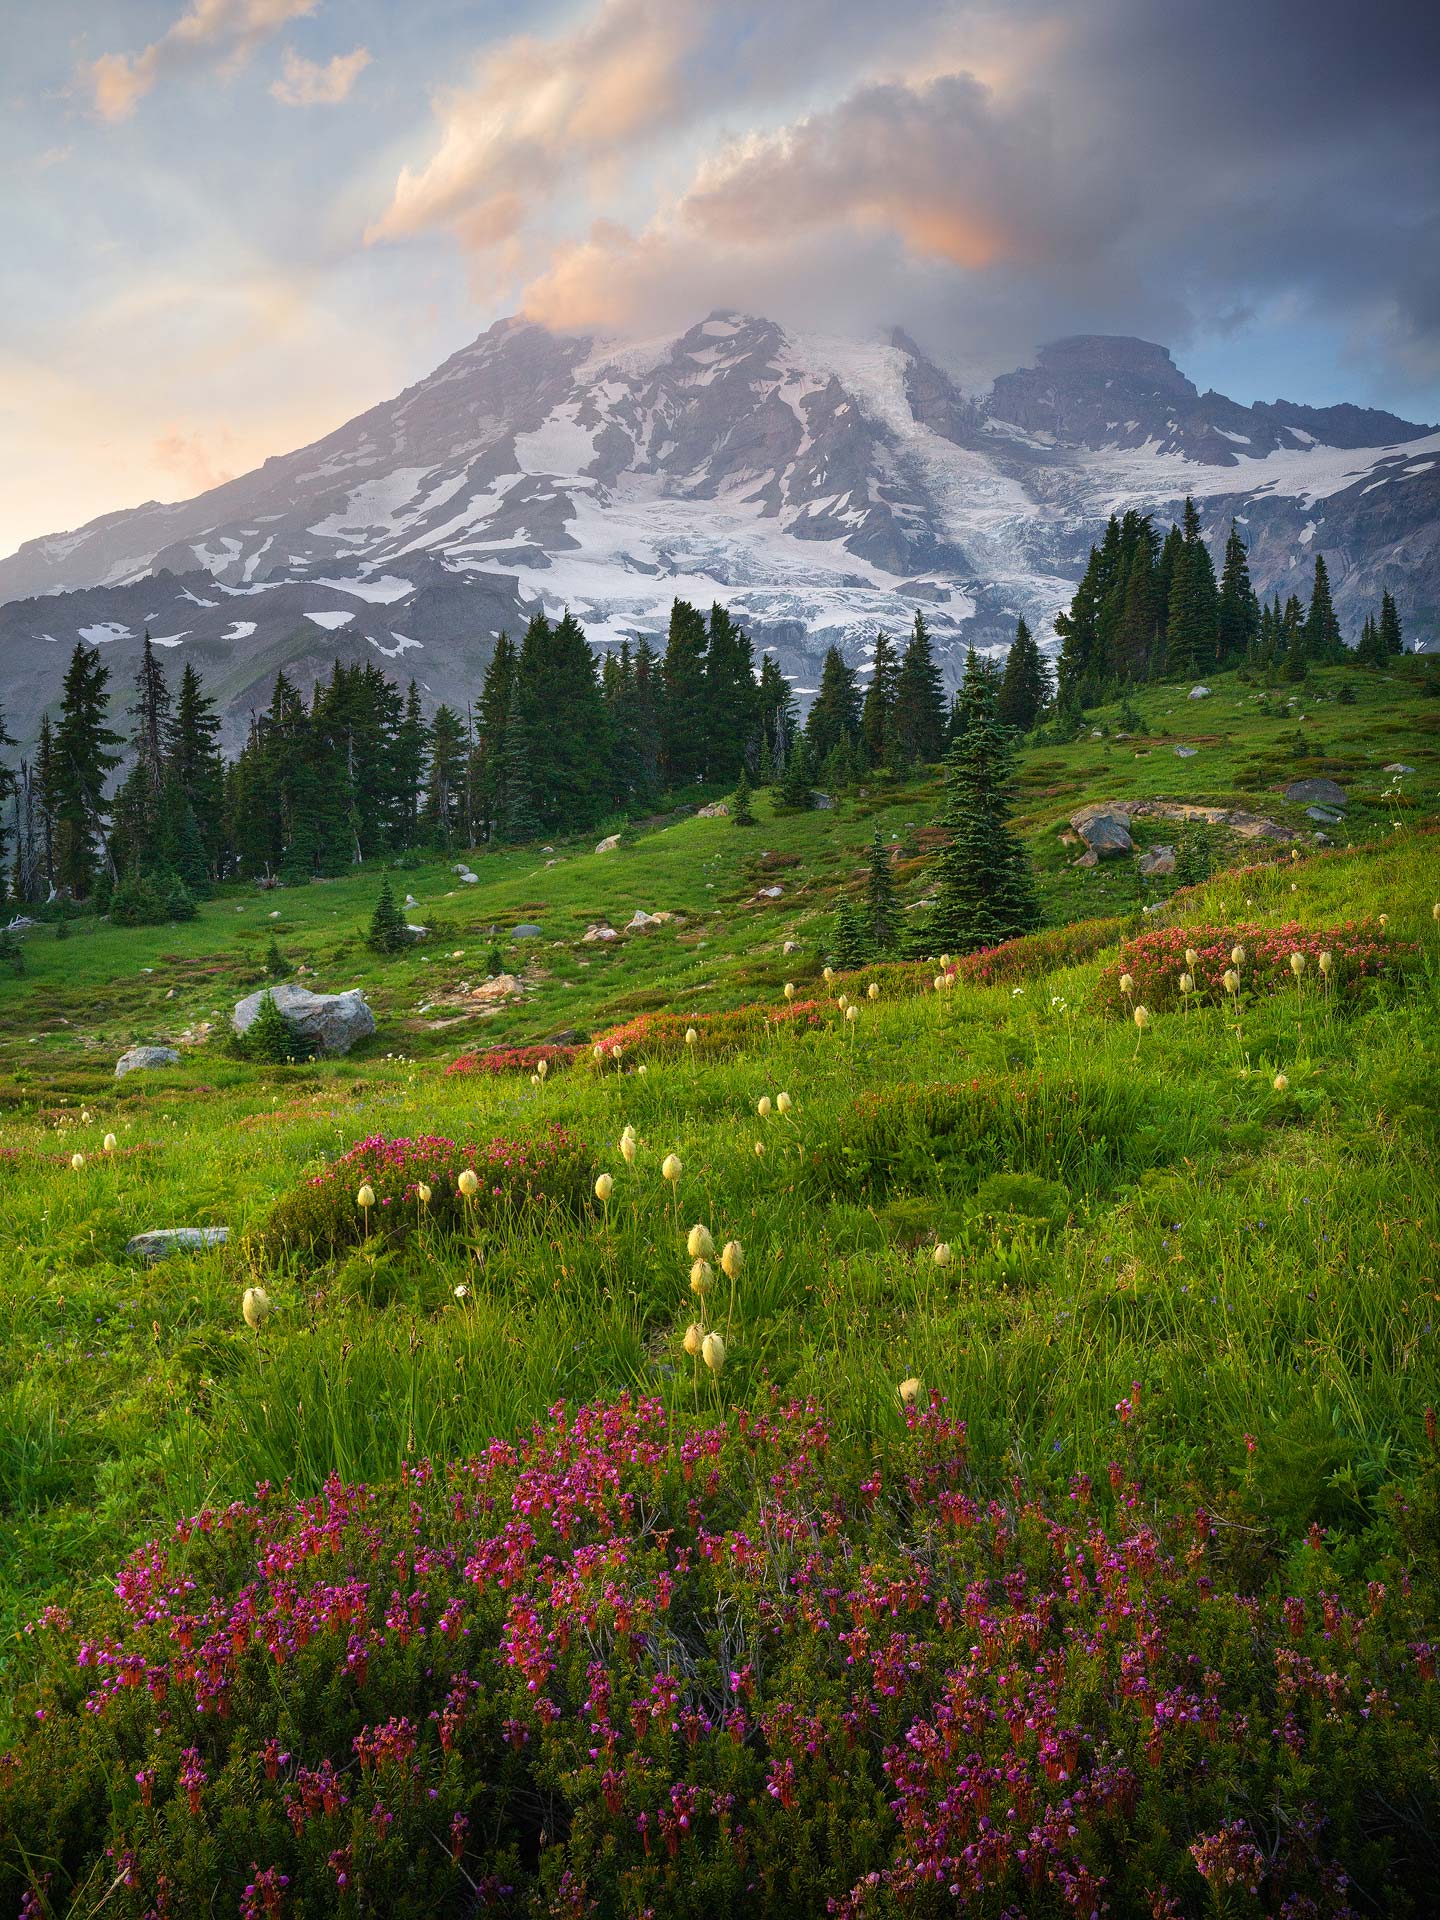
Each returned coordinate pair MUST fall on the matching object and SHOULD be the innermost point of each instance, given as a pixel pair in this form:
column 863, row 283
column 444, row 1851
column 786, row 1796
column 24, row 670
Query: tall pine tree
column 878, row 707
column 918, row 716
column 82, row 762
column 1023, row 688
column 684, row 732
column 984, row 891
column 835, row 715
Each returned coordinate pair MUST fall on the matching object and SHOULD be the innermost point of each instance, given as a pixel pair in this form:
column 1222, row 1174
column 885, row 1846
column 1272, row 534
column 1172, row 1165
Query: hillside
column 1161, row 1473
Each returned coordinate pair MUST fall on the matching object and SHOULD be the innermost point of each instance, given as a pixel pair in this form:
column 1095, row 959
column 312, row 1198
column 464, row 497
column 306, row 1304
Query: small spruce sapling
column 742, row 814
column 387, row 924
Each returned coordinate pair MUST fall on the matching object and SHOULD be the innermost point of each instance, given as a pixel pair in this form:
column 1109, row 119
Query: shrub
column 498, row 1060
column 1155, row 961
column 271, row 1039
column 1034, row 954
column 516, row 1176
column 277, row 967
column 138, row 902
column 719, row 1036
column 747, row 1669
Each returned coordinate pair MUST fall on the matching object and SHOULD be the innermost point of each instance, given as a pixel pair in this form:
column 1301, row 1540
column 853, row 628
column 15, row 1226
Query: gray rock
column 770, row 893
column 717, row 810
column 1319, row 793
column 417, row 933
column 791, row 946
column 1156, row 861
column 160, row 1242
column 597, row 933
column 610, row 844
column 139, row 1058
column 410, row 901
column 527, row 930
column 1397, row 766
column 1198, row 693
column 1105, row 829
column 333, row 1022
column 638, row 919
column 821, row 802
column 1186, row 753
column 1324, row 814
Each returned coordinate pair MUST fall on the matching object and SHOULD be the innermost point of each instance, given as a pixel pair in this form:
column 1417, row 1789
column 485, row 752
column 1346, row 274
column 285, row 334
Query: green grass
column 1262, row 1262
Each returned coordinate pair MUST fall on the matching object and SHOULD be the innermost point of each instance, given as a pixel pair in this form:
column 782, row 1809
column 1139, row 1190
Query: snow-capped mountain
column 822, row 488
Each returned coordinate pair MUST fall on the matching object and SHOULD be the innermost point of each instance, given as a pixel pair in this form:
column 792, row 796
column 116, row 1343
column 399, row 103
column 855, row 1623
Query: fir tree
column 1238, row 616
column 1023, row 688
column 516, row 822
column 878, row 707
column 1322, row 629
column 918, row 716
column 9, row 784
column 1392, row 641
column 882, row 916
column 848, row 945
column 82, row 760
column 731, row 699
column 197, row 768
column 1193, row 612
column 778, row 718
column 835, row 716
column 444, row 781
column 412, row 743
column 387, row 932
column 742, row 813
column 1371, row 649
column 797, row 782
column 566, row 725
column 277, row 967
column 683, row 729
column 271, row 1039
column 984, row 889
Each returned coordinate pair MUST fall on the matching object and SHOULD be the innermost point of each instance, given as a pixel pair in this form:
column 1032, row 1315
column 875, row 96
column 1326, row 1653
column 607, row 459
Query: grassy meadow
column 1185, row 1267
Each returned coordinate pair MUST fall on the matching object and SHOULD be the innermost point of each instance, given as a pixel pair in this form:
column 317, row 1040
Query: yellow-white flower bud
column 423, row 1193
column 255, row 1305
column 1142, row 1018
column 939, row 982
column 365, row 1198
column 789, row 989
column 783, row 1102
column 732, row 1260
column 1384, row 919
column 77, row 1161
column 1237, row 956
column 698, row 1243
column 1192, row 958
column 1231, row 981
column 909, row 1391
column 110, row 1143
column 1326, row 963
column 829, row 975
column 944, row 959
column 873, row 990
column 759, row 1149
column 1281, row 1083
column 598, row 1051
column 712, row 1352
column 670, row 1167
column 604, row 1186
column 1297, row 964
column 691, row 1036
column 469, row 1183
column 702, row 1277
column 694, row 1338
column 627, row 1149
column 542, row 1067
column 843, row 1002
column 616, row 1051
column 942, row 1255
column 852, row 1011
column 1187, row 983
column 762, row 1106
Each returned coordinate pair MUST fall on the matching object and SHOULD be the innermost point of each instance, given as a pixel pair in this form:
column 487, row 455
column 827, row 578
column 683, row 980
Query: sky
column 226, row 226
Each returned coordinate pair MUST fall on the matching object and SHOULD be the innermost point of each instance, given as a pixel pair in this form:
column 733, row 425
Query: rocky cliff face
column 822, row 488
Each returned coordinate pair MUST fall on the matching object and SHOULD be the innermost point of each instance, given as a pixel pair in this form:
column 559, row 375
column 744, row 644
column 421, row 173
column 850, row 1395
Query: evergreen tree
column 516, row 820
column 683, row 728
column 742, row 813
column 1078, row 631
column 984, row 891
column 644, row 720
column 496, row 695
column 1024, row 688
column 9, row 784
column 797, row 782
column 82, row 760
column 835, row 716
column 1238, row 615
column 918, row 716
column 1296, row 658
column 387, row 932
column 1392, row 640
column 444, row 780
column 46, row 799
column 1322, row 629
column 778, row 718
column 566, row 725
column 848, row 945
column 731, row 699
column 197, row 771
column 882, row 918
column 1194, row 603
column 878, row 707
column 1371, row 649
column 412, row 744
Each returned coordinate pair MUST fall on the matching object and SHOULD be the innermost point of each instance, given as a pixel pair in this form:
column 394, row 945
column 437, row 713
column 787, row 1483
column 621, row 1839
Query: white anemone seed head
column 783, row 1102
column 1231, row 981
column 616, row 1051
column 598, row 1051
column 1297, row 964
column 759, row 1149
column 534, row 1079
column 694, row 1338
column 77, row 1161
column 365, row 1198
column 255, row 1306
column 1384, row 919
column 1237, row 956
column 829, row 975
column 110, row 1143
column 944, row 959
column 872, row 992
column 1281, row 1083
column 642, row 1069
column 1326, row 963
column 942, row 1255
column 1142, row 1018
column 628, row 1149
column 763, row 1106
column 732, row 1260
column 604, row 1186
column 702, row 1277
column 1192, row 958
column 909, row 1391
column 1127, row 984
column 712, row 1352
column 852, row 1012
column 843, row 1002
column 691, row 1036
column 542, row 1066
column 469, row 1183
column 1187, row 983
column 699, row 1244
column 939, row 982
column 789, row 989
column 423, row 1194
column 670, row 1167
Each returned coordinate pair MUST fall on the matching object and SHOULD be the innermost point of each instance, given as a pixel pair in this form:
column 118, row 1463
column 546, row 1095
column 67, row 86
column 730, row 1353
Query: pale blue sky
column 227, row 225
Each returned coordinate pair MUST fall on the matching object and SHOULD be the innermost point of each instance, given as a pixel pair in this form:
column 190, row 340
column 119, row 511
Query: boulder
column 1395, row 766
column 527, row 930
column 469, row 879
column 1198, row 693
column 1186, row 753
column 410, row 901
column 416, row 933
column 496, row 991
column 592, row 934
column 717, row 810
column 610, row 844
column 770, row 893
column 139, row 1058
column 1316, row 793
column 821, row 802
column 1156, row 861
column 639, row 919
column 1087, row 860
column 1105, row 829
column 1327, row 815
column 332, row 1022
column 791, row 946
column 160, row 1242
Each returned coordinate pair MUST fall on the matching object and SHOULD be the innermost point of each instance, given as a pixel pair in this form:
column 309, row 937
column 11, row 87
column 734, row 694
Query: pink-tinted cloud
column 227, row 31
column 311, row 83
column 198, row 460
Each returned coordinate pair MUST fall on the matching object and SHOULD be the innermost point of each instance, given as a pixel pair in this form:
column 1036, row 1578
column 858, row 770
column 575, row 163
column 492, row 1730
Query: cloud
column 539, row 109
column 209, row 30
column 199, row 461
column 306, row 83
